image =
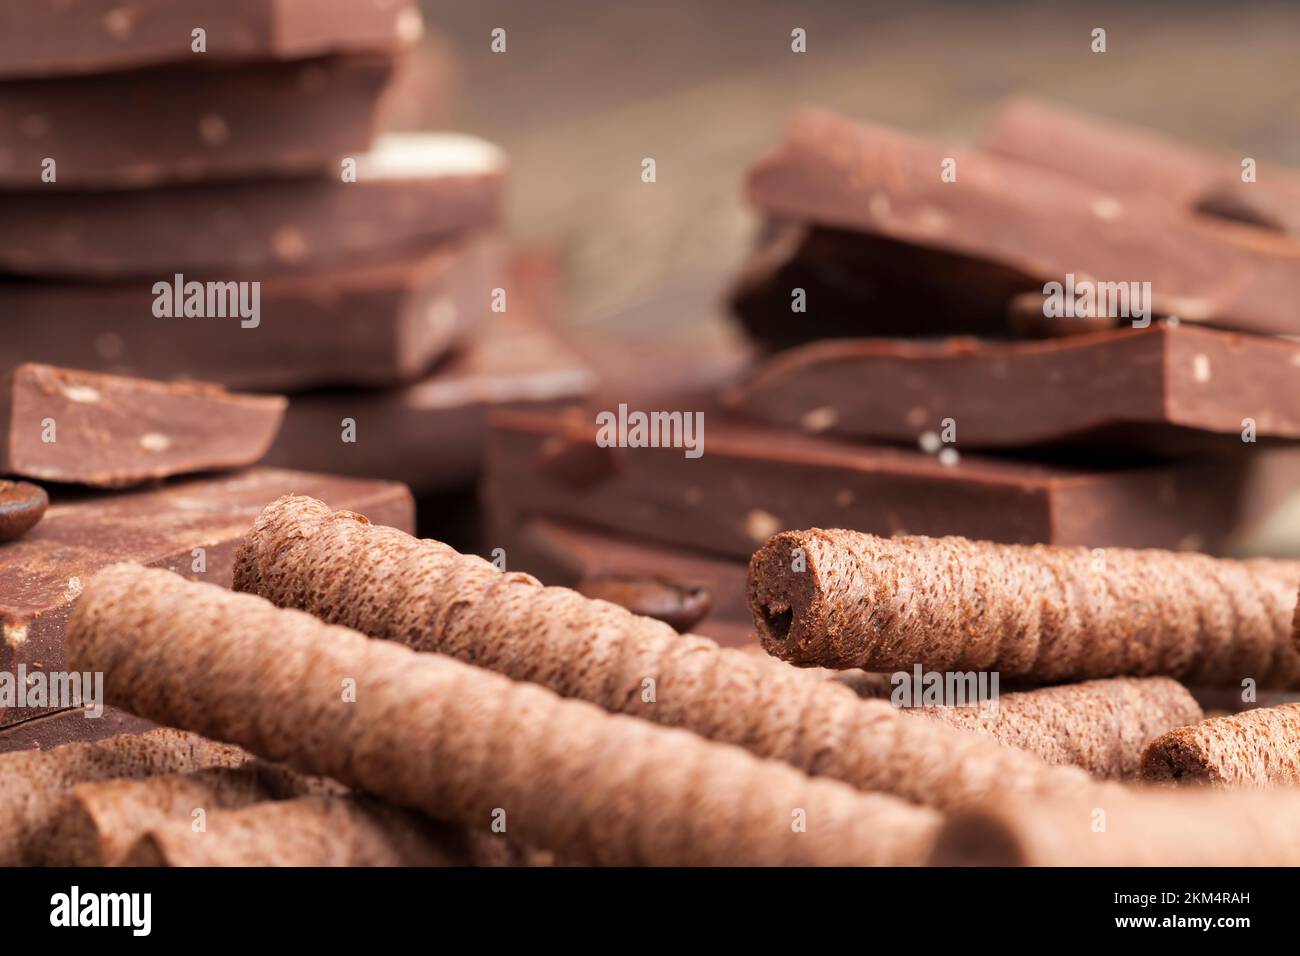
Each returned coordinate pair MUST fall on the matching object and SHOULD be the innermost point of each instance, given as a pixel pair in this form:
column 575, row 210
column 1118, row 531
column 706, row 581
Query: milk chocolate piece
column 107, row 431
column 205, row 121
column 852, row 284
column 22, row 504
column 379, row 324
column 191, row 526
column 1131, row 161
column 430, row 434
column 1166, row 389
column 571, row 555
column 1020, row 218
column 752, row 482
column 69, row 726
column 411, row 189
column 97, row 36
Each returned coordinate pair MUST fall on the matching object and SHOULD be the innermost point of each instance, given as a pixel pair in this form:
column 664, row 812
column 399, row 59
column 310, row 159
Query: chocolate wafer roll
column 461, row 743
column 1255, row 749
column 37, row 784
column 316, row 831
column 102, row 821
column 846, row 599
column 1127, row 827
column 424, row 594
column 1099, row 725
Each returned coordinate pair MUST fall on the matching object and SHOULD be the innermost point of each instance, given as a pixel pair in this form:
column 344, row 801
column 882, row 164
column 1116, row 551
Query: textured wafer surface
column 1102, row 726
column 424, row 594
column 37, row 783
column 464, row 744
column 846, row 599
column 1255, row 749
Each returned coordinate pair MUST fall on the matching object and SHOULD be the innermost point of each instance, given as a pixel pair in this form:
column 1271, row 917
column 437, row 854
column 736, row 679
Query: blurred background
column 588, row 89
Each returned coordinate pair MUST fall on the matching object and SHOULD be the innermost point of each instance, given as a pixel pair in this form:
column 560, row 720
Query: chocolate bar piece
column 379, row 324
column 633, row 573
column 96, row 36
column 1022, row 219
column 107, row 431
column 168, row 124
column 430, row 434
column 804, row 283
column 412, row 189
column 1129, row 161
column 1166, row 389
column 752, row 482
column 191, row 526
column 69, row 726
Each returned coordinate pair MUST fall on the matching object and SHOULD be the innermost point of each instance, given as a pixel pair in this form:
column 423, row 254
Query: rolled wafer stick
column 1099, row 725
column 424, row 594
column 103, row 820
column 37, row 783
column 1255, row 749
column 315, row 831
column 1127, row 827
column 846, row 599
column 464, row 744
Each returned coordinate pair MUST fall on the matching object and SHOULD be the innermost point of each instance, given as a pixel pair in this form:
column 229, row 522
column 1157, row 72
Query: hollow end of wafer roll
column 978, row 838
column 787, row 589
column 1172, row 758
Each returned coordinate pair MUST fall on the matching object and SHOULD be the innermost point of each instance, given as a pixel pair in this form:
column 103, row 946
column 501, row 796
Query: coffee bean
column 678, row 604
column 21, row 506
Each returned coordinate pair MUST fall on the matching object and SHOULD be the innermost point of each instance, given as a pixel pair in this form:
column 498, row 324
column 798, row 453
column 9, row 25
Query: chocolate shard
column 370, row 324
column 69, row 727
column 1131, row 161
column 22, row 505
column 97, row 36
column 411, row 189
column 567, row 554
column 107, row 431
column 168, row 125
column 515, row 361
column 192, row 526
column 752, row 482
column 1166, row 389
column 1013, row 216
column 806, row 282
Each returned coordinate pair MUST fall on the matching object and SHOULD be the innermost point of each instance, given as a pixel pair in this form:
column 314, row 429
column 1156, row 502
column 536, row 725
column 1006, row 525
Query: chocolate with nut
column 191, row 526
column 411, row 190
column 59, row 424
column 1164, row 389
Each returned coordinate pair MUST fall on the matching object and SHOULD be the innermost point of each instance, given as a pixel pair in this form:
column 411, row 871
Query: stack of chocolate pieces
column 924, row 375
column 197, row 191
column 98, row 468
